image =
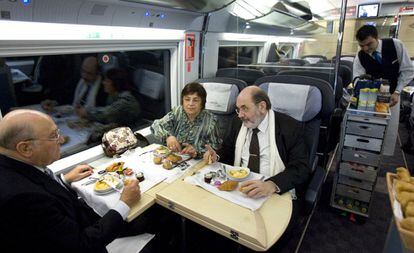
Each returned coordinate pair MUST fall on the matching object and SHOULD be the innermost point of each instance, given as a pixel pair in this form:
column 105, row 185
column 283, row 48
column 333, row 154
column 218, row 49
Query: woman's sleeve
column 164, row 127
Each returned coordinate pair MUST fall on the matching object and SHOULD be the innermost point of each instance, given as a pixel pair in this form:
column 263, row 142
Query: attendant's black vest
column 389, row 69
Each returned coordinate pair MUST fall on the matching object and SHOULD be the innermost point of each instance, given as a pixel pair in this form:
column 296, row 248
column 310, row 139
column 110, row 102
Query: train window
column 88, row 94
column 230, row 57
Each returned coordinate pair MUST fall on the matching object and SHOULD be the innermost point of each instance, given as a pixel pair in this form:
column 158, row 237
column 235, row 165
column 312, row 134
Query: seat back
column 328, row 77
column 221, row 99
column 314, row 58
column 247, row 75
column 7, row 94
column 308, row 103
column 150, row 88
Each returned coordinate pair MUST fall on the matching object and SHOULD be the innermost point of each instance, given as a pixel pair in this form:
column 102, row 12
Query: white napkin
column 103, row 203
column 235, row 196
column 131, row 244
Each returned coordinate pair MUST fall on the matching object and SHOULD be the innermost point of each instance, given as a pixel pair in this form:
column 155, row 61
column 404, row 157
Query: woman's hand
column 173, row 144
column 189, row 150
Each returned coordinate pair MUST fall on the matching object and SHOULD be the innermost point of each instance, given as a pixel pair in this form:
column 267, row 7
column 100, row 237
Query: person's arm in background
column 406, row 66
column 358, row 69
column 163, row 129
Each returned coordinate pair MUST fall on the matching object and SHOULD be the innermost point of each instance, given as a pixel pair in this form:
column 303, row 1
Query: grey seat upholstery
column 150, row 88
column 7, row 94
column 312, row 104
column 247, row 75
column 222, row 105
column 327, row 111
column 330, row 78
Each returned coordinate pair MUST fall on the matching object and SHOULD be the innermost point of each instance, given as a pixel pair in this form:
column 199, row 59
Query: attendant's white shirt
column 406, row 66
column 264, row 146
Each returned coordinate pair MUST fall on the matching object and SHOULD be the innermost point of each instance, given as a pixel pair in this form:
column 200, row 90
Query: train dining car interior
column 340, row 71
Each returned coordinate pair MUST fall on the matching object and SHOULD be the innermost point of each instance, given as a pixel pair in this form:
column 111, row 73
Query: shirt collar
column 379, row 47
column 264, row 124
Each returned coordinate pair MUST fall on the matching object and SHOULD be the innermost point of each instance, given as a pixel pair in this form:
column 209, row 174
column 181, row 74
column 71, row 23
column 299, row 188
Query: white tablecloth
column 235, row 196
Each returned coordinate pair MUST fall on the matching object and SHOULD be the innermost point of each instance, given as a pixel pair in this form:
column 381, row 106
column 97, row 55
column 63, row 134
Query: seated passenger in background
column 39, row 211
column 189, row 127
column 122, row 107
column 89, row 91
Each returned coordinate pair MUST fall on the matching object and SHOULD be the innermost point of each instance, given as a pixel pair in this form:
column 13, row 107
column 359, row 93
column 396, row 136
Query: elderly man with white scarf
column 281, row 154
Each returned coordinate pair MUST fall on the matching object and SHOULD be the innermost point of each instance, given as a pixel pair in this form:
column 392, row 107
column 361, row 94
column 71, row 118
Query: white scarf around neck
column 276, row 163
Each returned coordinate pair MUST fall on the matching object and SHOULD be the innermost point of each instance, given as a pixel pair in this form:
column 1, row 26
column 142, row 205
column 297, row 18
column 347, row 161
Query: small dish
column 238, row 173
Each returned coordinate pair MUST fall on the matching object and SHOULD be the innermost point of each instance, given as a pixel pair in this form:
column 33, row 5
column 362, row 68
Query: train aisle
column 331, row 230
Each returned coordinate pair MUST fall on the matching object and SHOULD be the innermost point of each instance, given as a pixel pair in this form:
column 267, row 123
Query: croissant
column 403, row 174
column 403, row 186
column 404, row 198
column 408, row 223
column 228, row 186
column 409, row 210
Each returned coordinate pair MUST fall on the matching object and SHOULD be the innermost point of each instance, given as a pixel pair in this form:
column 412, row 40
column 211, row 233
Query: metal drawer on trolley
column 360, row 156
column 363, row 142
column 370, row 130
column 366, row 119
column 353, row 192
column 366, row 185
column 357, row 171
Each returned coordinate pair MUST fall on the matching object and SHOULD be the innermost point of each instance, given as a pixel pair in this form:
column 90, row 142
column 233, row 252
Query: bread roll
column 228, row 186
column 403, row 174
column 408, row 223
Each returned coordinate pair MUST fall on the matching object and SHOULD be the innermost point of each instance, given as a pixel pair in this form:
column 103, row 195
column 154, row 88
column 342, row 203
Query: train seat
column 247, row 75
column 221, row 99
column 314, row 58
column 327, row 114
column 330, row 78
column 7, row 94
column 309, row 108
column 149, row 88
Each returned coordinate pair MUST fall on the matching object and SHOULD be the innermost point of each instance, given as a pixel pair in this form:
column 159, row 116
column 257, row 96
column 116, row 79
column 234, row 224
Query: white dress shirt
column 264, row 145
column 406, row 66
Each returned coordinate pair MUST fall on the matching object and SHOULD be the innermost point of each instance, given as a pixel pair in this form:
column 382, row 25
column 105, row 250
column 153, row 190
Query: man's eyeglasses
column 242, row 110
column 55, row 137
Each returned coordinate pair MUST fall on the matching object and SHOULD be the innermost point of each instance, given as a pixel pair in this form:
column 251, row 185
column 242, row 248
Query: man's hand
column 189, row 150
column 173, row 144
column 131, row 193
column 48, row 105
column 210, row 155
column 257, row 188
column 81, row 111
column 395, row 97
column 79, row 172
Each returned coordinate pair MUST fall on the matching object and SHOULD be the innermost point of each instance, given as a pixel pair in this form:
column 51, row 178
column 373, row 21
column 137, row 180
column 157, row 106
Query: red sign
column 189, row 47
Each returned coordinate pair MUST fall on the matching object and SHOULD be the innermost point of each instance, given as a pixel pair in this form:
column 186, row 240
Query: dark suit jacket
column 37, row 214
column 292, row 150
